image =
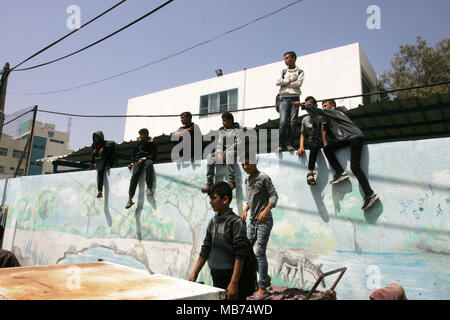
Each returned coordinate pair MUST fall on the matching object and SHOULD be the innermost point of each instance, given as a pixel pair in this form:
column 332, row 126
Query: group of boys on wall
column 229, row 240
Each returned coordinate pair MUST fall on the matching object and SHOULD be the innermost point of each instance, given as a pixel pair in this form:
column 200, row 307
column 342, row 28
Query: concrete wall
column 404, row 238
column 330, row 73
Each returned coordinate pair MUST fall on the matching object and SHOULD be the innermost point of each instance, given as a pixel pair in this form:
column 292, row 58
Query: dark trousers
column 356, row 146
column 146, row 166
column 222, row 278
column 100, row 165
column 313, row 152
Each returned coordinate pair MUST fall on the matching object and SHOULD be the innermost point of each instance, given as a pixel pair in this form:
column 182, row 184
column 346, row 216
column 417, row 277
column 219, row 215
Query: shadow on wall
column 341, row 190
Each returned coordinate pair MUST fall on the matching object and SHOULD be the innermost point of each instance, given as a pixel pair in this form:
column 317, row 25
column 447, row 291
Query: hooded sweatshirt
column 97, row 146
column 231, row 134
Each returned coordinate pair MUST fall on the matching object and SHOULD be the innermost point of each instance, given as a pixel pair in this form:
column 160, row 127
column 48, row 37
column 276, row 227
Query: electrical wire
column 67, row 35
column 98, row 41
column 239, row 110
column 161, row 59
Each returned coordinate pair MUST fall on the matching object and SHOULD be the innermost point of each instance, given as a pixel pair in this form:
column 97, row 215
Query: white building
column 338, row 72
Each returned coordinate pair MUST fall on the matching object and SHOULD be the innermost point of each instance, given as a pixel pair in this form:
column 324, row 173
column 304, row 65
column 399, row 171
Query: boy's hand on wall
column 192, row 277
column 232, row 291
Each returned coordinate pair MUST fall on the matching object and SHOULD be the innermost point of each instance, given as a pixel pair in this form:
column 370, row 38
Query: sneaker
column 148, row 192
column 100, row 194
column 369, row 201
column 290, row 148
column 129, row 204
column 206, row 188
column 339, row 177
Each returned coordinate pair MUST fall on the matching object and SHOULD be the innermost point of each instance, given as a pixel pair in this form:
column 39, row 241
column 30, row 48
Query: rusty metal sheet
column 97, row 281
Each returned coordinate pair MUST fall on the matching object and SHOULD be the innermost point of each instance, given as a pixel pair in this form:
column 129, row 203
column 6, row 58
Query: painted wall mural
column 403, row 238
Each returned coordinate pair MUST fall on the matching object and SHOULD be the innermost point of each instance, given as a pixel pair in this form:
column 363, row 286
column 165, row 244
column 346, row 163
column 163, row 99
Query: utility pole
column 3, row 84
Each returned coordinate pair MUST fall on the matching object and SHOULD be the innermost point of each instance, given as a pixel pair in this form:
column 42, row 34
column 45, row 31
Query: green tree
column 24, row 213
column 87, row 204
column 152, row 225
column 184, row 195
column 416, row 65
column 46, row 203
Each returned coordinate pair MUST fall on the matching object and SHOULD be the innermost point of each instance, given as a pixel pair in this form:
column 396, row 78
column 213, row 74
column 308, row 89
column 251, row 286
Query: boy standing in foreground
column 262, row 197
column 226, row 247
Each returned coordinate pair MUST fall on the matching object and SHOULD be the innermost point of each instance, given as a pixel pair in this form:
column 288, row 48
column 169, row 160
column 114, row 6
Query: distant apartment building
column 338, row 72
column 10, row 152
column 47, row 142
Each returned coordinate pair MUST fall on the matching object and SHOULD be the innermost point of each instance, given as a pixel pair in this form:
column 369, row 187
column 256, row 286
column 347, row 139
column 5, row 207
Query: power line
column 98, row 41
column 164, row 58
column 67, row 35
column 239, row 110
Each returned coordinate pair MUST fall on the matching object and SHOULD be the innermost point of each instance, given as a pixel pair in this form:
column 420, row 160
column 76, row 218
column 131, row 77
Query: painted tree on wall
column 24, row 212
column 290, row 231
column 184, row 195
column 154, row 226
column 46, row 203
column 87, row 204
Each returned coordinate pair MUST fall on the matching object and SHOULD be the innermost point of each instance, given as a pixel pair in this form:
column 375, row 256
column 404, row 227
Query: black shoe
column 129, row 204
column 99, row 194
column 206, row 188
column 369, row 201
column 339, row 177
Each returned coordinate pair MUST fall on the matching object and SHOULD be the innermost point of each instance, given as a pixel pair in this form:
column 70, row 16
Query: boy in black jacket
column 226, row 247
column 102, row 157
column 143, row 156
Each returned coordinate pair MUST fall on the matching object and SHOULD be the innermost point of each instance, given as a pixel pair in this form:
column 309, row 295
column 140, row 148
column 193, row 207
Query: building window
column 2, row 169
column 38, row 147
column 3, row 151
column 219, row 102
column 36, row 163
column 17, row 153
column 51, row 134
column 20, row 172
column 57, row 141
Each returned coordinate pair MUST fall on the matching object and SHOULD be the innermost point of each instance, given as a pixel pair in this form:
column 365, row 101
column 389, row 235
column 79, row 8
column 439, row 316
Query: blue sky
column 306, row 27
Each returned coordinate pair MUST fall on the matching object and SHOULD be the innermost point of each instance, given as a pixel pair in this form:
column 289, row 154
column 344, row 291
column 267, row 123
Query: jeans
column 356, row 146
column 288, row 120
column 259, row 234
column 147, row 166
